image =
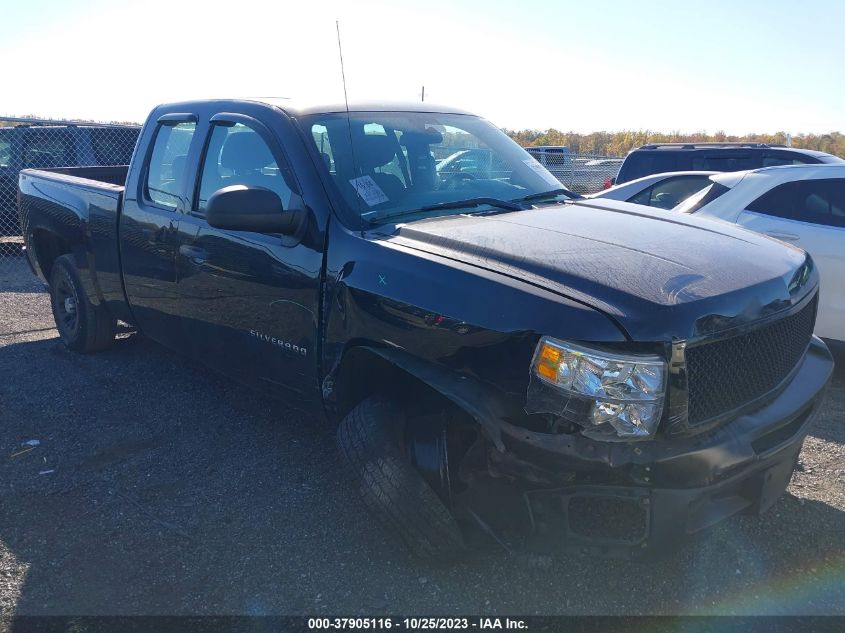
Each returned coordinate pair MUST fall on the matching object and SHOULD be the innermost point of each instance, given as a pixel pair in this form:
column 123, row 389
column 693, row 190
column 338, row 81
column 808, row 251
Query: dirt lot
column 161, row 488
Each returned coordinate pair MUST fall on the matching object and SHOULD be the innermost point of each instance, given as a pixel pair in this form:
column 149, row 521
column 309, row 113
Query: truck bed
column 112, row 175
column 76, row 206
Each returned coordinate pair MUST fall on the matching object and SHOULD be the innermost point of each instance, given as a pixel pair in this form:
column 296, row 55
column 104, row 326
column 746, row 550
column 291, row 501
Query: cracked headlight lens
column 624, row 393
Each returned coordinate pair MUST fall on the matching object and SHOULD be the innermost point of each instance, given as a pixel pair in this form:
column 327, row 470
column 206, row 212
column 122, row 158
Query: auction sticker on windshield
column 542, row 172
column 369, row 191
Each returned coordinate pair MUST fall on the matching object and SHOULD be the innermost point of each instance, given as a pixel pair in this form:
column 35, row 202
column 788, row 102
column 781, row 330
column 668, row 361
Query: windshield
column 409, row 163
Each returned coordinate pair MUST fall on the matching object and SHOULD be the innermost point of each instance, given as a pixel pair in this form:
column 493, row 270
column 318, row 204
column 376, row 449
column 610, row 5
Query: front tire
column 83, row 327
column 389, row 485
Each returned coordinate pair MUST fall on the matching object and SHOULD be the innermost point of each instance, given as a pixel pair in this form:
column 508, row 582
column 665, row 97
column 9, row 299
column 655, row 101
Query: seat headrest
column 816, row 205
column 426, row 136
column 177, row 166
column 376, row 150
column 245, row 151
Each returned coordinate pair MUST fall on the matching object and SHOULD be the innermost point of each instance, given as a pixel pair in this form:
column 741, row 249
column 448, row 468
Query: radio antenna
column 342, row 71
column 355, row 181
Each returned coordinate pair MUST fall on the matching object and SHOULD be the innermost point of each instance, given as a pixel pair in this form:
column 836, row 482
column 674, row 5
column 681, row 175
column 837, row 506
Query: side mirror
column 250, row 208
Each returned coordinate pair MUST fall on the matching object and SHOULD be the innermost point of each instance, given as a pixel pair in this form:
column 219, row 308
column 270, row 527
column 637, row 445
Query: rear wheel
column 371, row 439
column 83, row 327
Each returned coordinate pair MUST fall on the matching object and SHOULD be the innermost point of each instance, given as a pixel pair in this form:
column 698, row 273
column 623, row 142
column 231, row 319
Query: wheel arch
column 365, row 370
column 47, row 247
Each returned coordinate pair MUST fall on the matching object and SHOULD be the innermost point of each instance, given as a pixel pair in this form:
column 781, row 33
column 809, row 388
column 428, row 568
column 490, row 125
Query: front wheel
column 390, row 486
column 83, row 327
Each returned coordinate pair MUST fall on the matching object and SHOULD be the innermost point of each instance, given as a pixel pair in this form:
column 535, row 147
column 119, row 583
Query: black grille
column 726, row 374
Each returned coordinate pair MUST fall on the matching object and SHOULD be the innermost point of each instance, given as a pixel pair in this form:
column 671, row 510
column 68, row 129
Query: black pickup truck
column 503, row 360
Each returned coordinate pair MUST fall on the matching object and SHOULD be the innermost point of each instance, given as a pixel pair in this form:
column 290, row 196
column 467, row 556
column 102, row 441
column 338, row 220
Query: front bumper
column 657, row 494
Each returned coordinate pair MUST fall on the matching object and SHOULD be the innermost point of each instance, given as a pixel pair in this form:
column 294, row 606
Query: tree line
column 620, row 143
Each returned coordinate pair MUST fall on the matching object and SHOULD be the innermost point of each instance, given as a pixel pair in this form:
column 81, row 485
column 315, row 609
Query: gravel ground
column 160, row 488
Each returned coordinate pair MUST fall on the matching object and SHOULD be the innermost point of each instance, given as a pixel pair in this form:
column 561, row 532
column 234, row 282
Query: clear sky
column 734, row 65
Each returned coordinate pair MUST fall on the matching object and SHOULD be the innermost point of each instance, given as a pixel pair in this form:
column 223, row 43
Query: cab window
column 166, row 171
column 238, row 155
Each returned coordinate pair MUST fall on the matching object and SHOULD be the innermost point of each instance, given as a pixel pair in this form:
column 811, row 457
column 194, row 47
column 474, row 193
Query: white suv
column 800, row 204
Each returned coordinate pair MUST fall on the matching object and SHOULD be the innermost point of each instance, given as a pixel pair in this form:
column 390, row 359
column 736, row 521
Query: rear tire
column 83, row 327
column 390, row 487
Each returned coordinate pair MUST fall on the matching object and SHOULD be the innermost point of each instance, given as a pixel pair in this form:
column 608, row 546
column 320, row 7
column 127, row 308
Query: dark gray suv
column 659, row 158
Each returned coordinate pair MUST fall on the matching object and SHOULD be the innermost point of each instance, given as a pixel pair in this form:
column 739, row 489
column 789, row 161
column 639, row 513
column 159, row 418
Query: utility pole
column 422, row 94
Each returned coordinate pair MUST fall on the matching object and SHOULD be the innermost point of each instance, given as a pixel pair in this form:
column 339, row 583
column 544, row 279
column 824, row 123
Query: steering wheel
column 458, row 180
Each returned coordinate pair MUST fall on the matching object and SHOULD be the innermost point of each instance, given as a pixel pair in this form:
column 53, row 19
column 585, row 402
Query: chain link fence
column 582, row 173
column 35, row 143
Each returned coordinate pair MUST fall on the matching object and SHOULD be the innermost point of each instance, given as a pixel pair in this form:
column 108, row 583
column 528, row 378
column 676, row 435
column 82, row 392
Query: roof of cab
column 295, row 107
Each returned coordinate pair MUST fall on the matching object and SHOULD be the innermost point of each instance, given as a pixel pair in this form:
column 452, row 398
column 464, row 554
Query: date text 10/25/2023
column 417, row 623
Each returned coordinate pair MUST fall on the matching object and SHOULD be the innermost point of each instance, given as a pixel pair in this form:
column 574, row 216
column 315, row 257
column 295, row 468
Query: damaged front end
column 610, row 457
column 605, row 398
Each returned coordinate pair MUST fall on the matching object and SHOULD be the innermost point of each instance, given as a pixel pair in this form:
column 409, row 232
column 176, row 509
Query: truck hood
column 659, row 275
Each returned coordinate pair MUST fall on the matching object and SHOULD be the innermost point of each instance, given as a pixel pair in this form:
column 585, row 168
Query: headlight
column 615, row 396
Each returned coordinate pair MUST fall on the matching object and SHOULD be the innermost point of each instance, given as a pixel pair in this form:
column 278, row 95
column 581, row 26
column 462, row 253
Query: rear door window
column 821, row 202
column 778, row 202
column 166, row 171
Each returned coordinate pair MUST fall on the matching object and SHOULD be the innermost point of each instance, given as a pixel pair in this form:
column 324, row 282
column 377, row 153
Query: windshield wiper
column 456, row 204
column 552, row 193
column 508, row 205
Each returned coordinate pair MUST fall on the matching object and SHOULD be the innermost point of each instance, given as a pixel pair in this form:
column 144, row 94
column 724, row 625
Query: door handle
column 786, row 237
column 195, row 254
